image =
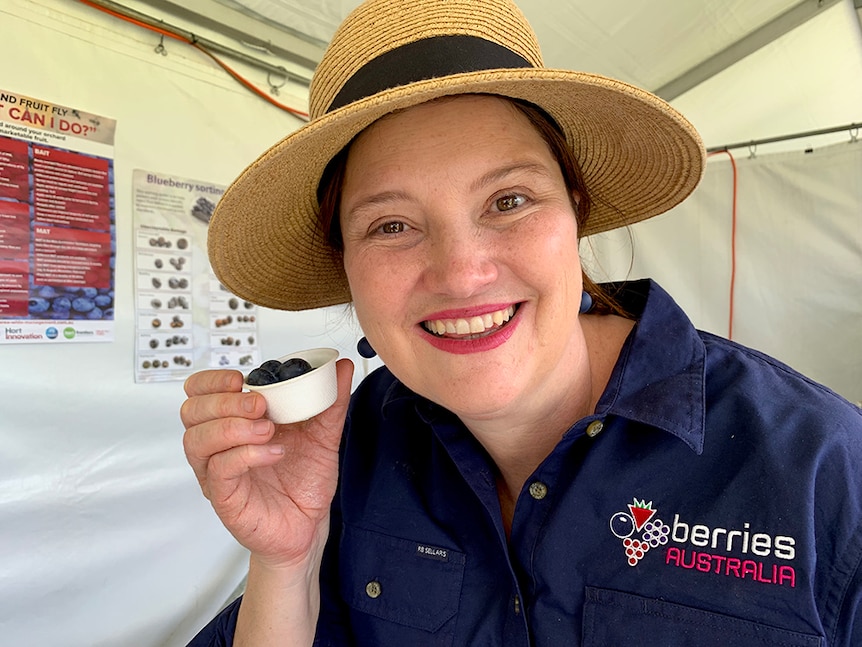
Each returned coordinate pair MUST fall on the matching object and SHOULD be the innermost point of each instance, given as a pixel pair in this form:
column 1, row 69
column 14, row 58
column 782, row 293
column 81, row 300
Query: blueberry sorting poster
column 57, row 223
column 185, row 319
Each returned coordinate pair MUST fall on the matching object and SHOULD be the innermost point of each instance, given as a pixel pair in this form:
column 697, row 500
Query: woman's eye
column 391, row 228
column 509, row 202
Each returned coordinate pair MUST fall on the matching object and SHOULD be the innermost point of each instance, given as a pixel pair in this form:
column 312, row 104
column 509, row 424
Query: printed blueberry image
column 61, row 304
column 83, row 304
column 38, row 305
column 67, row 302
column 203, row 210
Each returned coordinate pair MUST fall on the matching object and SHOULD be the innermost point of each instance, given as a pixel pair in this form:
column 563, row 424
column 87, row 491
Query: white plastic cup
column 304, row 396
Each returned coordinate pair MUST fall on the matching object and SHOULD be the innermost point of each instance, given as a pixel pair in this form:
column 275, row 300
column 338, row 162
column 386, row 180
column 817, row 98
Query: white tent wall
column 105, row 537
column 798, row 281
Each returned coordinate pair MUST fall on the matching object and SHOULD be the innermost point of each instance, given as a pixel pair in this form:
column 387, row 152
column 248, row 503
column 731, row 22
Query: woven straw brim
column 639, row 158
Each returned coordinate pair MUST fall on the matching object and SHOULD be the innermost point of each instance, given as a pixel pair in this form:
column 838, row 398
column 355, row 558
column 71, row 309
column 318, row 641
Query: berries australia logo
column 740, row 552
column 639, row 519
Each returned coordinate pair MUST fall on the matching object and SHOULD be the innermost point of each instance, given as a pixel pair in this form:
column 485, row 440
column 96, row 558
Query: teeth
column 472, row 326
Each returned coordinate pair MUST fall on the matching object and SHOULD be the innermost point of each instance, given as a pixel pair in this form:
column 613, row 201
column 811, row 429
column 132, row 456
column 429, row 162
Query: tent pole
column 853, row 129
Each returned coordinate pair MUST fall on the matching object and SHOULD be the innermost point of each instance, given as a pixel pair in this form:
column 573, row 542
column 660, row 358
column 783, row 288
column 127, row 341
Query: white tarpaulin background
column 798, row 280
column 105, row 539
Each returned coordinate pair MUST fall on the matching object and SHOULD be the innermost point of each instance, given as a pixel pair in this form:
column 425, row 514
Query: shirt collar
column 658, row 379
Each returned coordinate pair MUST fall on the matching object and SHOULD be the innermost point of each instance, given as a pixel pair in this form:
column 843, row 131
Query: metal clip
column 273, row 88
column 160, row 48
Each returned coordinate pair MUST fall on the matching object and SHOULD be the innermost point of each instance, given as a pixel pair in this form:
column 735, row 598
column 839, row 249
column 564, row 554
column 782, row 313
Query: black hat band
column 429, row 58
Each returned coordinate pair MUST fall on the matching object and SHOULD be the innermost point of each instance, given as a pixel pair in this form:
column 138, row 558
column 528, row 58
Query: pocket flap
column 400, row 580
column 615, row 618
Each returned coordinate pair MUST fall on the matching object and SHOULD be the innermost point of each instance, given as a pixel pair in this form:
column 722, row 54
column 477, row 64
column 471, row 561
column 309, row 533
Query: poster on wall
column 57, row 223
column 186, row 320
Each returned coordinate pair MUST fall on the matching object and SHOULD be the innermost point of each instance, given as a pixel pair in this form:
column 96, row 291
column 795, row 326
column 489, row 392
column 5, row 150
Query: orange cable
column 732, row 242
column 238, row 77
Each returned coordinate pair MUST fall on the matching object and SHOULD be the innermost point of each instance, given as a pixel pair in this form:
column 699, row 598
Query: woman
column 543, row 461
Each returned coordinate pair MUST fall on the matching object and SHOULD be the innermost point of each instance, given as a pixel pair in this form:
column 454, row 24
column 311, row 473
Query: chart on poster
column 186, row 320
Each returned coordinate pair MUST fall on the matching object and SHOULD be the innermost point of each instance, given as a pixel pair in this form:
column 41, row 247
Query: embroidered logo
column 639, row 529
column 738, row 551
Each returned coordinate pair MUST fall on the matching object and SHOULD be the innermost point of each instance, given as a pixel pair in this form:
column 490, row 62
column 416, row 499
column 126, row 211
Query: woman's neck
column 519, row 442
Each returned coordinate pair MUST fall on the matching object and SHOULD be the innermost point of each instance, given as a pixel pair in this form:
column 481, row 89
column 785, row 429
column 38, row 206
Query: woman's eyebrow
column 494, row 175
column 384, row 197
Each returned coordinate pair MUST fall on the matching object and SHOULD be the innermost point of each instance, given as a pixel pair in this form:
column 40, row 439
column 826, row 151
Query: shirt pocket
column 414, row 588
column 612, row 618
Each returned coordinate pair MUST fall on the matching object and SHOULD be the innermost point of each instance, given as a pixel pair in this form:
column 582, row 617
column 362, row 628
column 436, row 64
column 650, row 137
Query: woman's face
column 460, row 247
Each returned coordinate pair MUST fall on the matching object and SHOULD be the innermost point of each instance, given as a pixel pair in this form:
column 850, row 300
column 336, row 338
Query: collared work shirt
column 713, row 498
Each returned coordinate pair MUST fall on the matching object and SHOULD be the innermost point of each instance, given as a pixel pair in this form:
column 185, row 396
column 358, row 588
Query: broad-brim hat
column 638, row 155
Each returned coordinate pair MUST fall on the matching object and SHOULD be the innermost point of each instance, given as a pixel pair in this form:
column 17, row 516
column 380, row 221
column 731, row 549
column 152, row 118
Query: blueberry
column 271, row 366
column 294, row 367
column 260, row 377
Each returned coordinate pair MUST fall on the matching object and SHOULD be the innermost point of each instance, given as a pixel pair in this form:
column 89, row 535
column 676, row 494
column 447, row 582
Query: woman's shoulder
column 758, row 382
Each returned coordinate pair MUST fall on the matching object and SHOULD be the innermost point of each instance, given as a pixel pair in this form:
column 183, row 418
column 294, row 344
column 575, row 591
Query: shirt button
column 373, row 589
column 595, row 428
column 538, row 490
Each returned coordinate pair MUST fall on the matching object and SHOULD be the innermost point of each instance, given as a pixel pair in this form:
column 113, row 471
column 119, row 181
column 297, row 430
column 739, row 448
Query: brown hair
column 329, row 195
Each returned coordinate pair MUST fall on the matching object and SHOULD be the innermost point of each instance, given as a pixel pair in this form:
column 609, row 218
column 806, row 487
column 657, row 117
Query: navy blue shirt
column 714, row 498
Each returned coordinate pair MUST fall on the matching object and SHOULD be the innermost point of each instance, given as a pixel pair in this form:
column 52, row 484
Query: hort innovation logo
column 727, row 551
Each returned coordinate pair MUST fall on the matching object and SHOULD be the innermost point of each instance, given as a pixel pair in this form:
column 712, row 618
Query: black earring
column 586, row 303
column 365, row 350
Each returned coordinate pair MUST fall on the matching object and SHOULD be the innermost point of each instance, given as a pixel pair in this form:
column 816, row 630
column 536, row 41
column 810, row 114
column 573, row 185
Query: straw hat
column 638, row 155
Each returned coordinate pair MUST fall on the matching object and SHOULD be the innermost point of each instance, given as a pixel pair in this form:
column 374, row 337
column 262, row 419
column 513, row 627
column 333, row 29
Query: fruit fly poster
column 57, row 223
column 186, row 320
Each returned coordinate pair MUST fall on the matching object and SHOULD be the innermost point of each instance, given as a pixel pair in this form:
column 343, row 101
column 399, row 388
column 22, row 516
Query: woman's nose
column 460, row 263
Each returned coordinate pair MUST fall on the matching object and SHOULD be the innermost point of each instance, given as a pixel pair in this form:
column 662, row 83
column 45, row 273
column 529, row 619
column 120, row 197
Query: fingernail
column 276, row 449
column 260, row 427
column 248, row 403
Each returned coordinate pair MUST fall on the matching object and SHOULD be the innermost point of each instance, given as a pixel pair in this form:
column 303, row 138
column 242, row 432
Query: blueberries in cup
column 271, row 366
column 272, row 371
column 293, row 367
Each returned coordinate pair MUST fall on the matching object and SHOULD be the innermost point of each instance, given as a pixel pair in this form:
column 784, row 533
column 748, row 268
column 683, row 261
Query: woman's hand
column 271, row 485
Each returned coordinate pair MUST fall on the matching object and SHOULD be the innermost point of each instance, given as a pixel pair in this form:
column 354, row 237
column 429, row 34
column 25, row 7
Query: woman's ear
column 576, row 203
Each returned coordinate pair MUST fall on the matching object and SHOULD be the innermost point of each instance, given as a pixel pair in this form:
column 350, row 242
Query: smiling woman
column 485, row 225
column 469, row 491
